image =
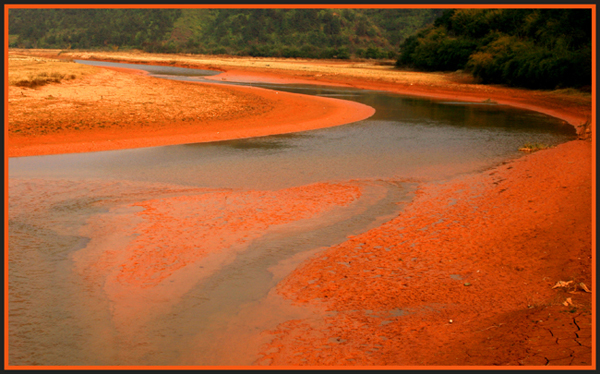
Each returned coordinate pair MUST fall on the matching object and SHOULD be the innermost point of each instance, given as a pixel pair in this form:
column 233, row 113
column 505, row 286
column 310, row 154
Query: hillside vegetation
column 534, row 48
column 308, row 33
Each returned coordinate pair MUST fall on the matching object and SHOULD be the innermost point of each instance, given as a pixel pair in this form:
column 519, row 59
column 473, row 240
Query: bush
column 308, row 51
column 291, row 52
column 260, row 51
column 375, row 53
column 437, row 51
column 342, row 53
column 522, row 63
column 407, row 49
column 219, row 51
column 327, row 53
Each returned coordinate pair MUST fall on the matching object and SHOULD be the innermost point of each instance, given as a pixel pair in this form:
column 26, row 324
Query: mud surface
column 467, row 255
column 464, row 275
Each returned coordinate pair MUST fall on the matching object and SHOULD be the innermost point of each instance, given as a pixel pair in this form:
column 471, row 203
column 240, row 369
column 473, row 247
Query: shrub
column 219, row 51
column 290, row 52
column 308, row 51
column 407, row 49
column 28, row 72
column 522, row 63
column 342, row 53
column 437, row 51
column 372, row 52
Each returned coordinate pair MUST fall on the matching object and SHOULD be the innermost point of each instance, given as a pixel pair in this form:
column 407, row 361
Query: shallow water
column 407, row 138
column 68, row 213
column 155, row 69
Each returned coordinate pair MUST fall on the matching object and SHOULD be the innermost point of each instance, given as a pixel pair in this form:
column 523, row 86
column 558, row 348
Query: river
column 170, row 255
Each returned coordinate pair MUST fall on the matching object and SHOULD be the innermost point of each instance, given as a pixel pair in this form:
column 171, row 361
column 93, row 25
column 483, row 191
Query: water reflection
column 247, row 144
column 164, row 71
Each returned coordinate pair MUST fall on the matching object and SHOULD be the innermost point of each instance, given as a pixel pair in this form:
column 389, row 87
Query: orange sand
column 60, row 118
column 464, row 256
column 145, row 260
column 463, row 276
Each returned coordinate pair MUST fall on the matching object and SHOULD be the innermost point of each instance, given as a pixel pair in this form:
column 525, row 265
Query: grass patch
column 532, row 147
column 570, row 92
column 27, row 71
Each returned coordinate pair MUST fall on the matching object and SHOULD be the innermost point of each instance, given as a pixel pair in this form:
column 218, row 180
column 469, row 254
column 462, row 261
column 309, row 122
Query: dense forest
column 536, row 48
column 311, row 33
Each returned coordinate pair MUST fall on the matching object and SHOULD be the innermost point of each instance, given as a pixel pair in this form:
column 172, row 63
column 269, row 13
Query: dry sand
column 122, row 108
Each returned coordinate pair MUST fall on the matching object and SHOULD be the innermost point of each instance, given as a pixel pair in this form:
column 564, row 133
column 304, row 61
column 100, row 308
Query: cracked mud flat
column 463, row 276
column 476, row 251
column 150, row 269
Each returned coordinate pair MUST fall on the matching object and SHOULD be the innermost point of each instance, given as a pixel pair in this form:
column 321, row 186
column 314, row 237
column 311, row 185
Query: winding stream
column 145, row 256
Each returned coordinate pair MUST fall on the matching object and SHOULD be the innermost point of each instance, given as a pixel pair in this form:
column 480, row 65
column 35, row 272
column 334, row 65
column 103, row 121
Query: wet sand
column 466, row 260
column 465, row 274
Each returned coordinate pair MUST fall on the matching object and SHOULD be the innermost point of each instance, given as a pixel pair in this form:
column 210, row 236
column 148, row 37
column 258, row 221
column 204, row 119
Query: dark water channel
column 55, row 319
column 406, row 138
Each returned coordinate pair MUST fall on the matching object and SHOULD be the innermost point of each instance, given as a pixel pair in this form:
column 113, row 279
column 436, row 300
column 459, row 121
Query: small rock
column 467, row 284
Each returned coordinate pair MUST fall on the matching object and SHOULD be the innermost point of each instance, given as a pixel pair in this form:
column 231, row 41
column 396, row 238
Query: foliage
column 435, row 50
column 87, row 28
column 309, row 33
column 535, row 48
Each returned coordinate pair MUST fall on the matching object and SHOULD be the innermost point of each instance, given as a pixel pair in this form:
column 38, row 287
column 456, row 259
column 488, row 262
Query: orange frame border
column 7, row 7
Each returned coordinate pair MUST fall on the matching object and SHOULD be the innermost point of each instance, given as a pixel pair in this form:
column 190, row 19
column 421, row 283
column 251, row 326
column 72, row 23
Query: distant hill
column 311, row 33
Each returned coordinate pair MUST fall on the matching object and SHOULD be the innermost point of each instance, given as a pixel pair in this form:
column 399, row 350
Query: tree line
column 308, row 33
column 535, row 48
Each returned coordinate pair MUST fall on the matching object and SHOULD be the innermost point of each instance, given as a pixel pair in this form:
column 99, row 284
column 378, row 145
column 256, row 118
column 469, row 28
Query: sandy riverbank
column 465, row 274
column 570, row 105
column 123, row 108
